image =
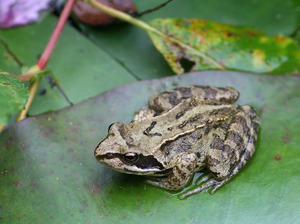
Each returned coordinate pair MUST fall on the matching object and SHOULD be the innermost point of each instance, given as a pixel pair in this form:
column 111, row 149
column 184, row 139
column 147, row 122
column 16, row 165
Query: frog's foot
column 210, row 182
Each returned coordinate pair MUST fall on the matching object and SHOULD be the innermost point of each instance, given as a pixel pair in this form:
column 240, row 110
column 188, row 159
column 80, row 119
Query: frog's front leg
column 184, row 165
column 226, row 157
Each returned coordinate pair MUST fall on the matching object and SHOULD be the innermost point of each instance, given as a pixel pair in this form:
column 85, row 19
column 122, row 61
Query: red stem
column 43, row 61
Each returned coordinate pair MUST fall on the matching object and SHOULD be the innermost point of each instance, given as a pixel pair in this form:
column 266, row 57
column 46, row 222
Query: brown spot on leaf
column 4, row 172
column 286, row 139
column 17, row 184
column 251, row 33
column 96, row 188
column 229, row 34
column 280, row 38
column 91, row 131
column 277, row 157
column 34, row 185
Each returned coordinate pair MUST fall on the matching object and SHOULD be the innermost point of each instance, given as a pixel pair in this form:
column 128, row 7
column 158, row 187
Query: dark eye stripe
column 144, row 162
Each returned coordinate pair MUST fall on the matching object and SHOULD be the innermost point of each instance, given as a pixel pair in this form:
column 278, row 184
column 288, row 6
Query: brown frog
column 183, row 131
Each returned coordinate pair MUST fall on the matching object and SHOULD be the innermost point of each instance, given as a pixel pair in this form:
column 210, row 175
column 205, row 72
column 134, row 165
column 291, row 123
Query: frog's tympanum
column 183, row 131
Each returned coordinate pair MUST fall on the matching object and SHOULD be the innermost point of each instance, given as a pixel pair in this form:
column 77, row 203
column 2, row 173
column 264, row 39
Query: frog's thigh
column 226, row 157
column 143, row 114
column 184, row 167
column 167, row 100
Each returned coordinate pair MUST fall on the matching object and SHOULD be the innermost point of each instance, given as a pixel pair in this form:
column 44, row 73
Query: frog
column 180, row 132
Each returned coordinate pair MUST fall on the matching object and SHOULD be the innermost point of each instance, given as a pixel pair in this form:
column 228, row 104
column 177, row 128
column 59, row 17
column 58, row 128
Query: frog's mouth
column 144, row 165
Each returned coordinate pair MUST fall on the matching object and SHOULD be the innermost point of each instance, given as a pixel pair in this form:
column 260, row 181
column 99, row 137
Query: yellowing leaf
column 13, row 95
column 195, row 45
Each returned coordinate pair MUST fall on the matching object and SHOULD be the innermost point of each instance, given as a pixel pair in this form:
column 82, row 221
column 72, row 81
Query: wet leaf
column 8, row 62
column 196, row 45
column 144, row 61
column 13, row 95
column 49, row 174
column 81, row 68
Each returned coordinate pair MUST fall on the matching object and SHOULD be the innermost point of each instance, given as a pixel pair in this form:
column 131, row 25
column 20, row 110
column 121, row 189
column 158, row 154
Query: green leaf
column 8, row 61
column 49, row 174
column 132, row 47
column 81, row 68
column 196, row 45
column 13, row 95
column 272, row 16
column 123, row 53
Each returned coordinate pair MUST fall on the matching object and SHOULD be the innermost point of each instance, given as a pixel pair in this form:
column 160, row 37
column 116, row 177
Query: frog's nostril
column 109, row 155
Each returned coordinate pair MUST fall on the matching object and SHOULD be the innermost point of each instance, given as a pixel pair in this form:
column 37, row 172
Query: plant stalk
column 123, row 16
column 43, row 61
column 32, row 91
column 145, row 26
column 45, row 57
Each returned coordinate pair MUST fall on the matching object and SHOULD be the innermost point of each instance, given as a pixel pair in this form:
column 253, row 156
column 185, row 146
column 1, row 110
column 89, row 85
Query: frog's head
column 119, row 152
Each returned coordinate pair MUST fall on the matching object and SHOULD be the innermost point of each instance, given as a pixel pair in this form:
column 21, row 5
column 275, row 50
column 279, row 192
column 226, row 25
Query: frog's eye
column 131, row 157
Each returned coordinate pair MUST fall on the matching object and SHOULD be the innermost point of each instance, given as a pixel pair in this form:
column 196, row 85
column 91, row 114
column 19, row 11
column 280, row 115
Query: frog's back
column 182, row 123
column 197, row 142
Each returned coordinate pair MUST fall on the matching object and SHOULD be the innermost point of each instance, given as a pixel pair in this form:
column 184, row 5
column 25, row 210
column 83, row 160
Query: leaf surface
column 133, row 48
column 13, row 95
column 49, row 174
column 80, row 68
column 123, row 53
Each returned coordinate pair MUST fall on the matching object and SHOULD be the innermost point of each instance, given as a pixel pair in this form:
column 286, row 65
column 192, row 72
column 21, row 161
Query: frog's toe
column 217, row 186
column 208, row 184
column 153, row 183
column 204, row 179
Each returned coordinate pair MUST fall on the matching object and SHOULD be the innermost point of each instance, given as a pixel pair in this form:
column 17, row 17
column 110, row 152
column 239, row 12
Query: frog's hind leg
column 169, row 99
column 238, row 147
column 229, row 155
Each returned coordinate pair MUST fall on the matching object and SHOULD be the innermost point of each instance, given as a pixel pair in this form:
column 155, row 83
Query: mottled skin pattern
column 181, row 132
